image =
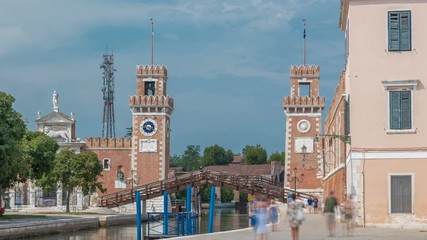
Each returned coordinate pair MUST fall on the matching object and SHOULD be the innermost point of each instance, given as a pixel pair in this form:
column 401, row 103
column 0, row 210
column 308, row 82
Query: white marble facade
column 61, row 127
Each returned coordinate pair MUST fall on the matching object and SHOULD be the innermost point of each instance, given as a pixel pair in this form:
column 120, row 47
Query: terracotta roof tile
column 243, row 169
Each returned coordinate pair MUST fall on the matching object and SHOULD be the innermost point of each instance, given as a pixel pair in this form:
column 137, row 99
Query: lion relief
column 59, row 135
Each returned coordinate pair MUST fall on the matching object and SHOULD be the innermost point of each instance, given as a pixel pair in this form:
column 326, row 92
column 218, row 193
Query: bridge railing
column 246, row 184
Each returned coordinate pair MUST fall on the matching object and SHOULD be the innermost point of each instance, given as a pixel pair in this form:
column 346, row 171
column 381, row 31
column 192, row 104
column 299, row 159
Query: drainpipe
column 364, row 193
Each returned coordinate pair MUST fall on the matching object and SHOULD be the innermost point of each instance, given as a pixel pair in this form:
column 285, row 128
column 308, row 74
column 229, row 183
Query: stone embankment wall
column 52, row 226
column 31, row 229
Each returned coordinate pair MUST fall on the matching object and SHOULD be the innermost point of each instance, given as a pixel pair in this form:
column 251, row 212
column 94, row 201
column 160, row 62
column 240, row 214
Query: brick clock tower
column 151, row 111
column 303, row 110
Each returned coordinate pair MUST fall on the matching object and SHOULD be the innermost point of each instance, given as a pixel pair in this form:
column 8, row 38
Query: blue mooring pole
column 138, row 216
column 165, row 213
column 188, row 210
column 211, row 209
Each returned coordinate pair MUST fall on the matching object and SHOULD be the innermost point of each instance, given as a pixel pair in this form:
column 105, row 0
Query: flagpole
column 305, row 44
column 152, row 42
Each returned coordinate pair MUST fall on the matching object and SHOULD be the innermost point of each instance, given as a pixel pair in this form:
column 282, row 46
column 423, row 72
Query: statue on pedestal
column 55, row 101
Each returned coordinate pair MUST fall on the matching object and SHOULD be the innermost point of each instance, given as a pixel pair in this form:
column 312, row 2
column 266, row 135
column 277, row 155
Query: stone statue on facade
column 59, row 135
column 120, row 175
column 55, row 101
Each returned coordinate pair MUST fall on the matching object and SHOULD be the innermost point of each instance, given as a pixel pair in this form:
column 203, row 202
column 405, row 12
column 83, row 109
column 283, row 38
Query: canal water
column 225, row 219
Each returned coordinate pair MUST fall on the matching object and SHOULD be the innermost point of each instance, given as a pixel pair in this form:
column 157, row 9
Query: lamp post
column 346, row 139
column 323, row 160
column 133, row 180
column 294, row 178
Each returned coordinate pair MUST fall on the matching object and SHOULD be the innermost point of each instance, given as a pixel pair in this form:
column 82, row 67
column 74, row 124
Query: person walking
column 348, row 215
column 310, row 205
column 274, row 215
column 294, row 216
column 315, row 204
column 329, row 209
column 261, row 212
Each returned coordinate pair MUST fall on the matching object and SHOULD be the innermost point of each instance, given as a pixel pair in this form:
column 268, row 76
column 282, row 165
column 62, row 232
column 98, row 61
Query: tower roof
column 55, row 117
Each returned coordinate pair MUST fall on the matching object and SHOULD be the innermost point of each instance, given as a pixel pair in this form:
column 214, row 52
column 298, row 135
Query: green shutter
column 393, row 31
column 399, row 31
column 347, row 116
column 394, row 110
column 405, row 31
column 405, row 109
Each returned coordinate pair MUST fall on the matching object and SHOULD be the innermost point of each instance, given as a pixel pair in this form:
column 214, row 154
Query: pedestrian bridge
column 247, row 184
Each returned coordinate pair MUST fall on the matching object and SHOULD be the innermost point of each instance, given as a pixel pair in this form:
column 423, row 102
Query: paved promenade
column 314, row 228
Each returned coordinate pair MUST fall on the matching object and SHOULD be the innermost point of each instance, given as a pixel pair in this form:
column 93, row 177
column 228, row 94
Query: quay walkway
column 314, row 228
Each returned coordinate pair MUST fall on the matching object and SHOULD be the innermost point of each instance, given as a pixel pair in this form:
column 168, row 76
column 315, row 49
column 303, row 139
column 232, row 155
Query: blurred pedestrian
column 274, row 215
column 348, row 209
column 261, row 212
column 315, row 204
column 329, row 209
column 310, row 205
column 295, row 216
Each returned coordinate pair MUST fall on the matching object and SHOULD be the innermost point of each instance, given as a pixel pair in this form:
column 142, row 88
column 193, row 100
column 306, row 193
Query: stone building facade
column 62, row 128
column 385, row 81
column 335, row 144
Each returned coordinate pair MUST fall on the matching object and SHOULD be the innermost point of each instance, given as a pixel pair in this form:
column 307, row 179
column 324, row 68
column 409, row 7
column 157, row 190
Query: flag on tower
column 152, row 26
column 304, row 28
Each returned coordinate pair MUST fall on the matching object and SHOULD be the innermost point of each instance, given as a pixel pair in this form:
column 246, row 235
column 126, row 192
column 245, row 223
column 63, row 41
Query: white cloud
column 50, row 23
column 243, row 45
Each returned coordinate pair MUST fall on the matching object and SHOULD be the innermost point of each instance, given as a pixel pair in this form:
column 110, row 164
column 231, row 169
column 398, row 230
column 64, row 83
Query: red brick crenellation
column 144, row 100
column 303, row 100
column 305, row 70
column 151, row 70
column 108, row 142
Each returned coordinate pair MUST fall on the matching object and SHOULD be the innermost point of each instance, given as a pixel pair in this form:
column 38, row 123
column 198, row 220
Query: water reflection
column 224, row 220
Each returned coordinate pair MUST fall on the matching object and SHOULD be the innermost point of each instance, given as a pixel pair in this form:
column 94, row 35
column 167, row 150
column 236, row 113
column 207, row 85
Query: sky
column 228, row 62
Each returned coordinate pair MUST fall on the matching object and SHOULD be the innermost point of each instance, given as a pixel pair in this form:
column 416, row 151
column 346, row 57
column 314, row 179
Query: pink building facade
column 385, row 81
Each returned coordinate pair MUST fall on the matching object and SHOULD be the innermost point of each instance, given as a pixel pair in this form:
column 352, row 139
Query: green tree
column 74, row 170
column 216, row 155
column 227, row 195
column 243, row 197
column 175, row 161
column 205, row 192
column 39, row 152
column 276, row 156
column 128, row 132
column 12, row 131
column 255, row 154
column 190, row 160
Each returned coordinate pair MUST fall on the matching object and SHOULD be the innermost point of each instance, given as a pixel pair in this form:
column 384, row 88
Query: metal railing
column 176, row 224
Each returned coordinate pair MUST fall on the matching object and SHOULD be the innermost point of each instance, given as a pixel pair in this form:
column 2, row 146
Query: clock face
column 148, row 127
column 303, row 126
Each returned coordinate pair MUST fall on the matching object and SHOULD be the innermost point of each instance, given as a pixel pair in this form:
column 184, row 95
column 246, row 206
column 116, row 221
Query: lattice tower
column 108, row 127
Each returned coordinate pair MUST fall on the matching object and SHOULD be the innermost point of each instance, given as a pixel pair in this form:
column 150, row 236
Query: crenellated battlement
column 303, row 101
column 305, row 70
column 151, row 70
column 151, row 101
column 108, row 142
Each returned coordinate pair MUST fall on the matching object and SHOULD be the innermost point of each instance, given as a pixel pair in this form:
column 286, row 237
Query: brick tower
column 303, row 110
column 151, row 111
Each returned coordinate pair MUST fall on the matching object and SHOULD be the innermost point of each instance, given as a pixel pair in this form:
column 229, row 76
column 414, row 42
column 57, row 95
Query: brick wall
column 119, row 152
